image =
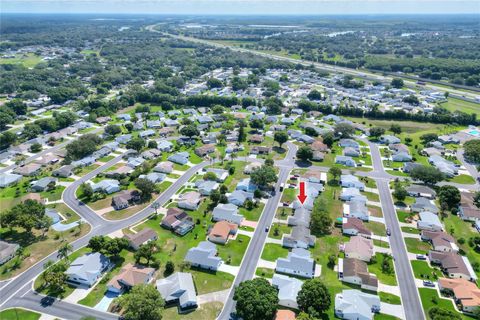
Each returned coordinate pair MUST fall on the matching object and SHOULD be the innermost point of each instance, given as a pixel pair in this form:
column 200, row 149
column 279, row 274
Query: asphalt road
column 11, row 292
column 409, row 293
column 463, row 95
column 254, row 250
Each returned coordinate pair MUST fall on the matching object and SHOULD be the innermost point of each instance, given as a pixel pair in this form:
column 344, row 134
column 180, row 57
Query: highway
column 254, row 250
column 463, row 95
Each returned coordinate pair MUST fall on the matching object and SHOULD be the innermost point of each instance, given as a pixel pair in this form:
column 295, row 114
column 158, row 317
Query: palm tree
column 233, row 156
column 64, row 250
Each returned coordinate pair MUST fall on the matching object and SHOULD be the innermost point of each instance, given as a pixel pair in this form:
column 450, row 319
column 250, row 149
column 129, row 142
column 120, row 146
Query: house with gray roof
column 85, row 162
column 349, row 194
column 179, row 158
column 87, row 269
column 349, row 143
column 246, row 185
column 429, row 221
column 205, row 187
column 42, row 184
column 448, row 168
column 351, row 152
column 423, row 204
column 154, row 124
column 288, row 289
column 189, row 200
column 147, row 133
column 356, row 208
column 178, row 288
column 134, row 162
column 356, row 305
column 388, row 139
column 221, row 174
column 204, row 256
column 28, row 170
column 298, row 263
column 123, row 139
column 164, row 167
column 9, row 179
column 171, row 123
column 204, row 119
column 227, row 212
column 154, row 177
column 416, row 190
column 238, row 197
column 63, row 172
column 346, row 161
column 164, row 145
column 351, row 181
column 7, row 251
column 107, row 186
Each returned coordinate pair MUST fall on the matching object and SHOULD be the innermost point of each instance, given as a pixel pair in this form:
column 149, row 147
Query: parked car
column 428, row 283
column 266, row 229
column 293, row 178
column 388, row 232
column 421, row 257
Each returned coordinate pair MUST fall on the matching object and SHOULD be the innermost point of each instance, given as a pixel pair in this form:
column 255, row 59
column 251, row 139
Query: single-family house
column 388, row 139
column 87, row 269
column 298, row 263
column 349, row 194
column 107, row 186
column 221, row 232
column 154, row 177
column 202, row 151
column 356, row 208
column 9, row 179
column 440, row 241
column 246, row 185
column 453, row 265
column 288, row 289
column 345, row 161
column 359, row 247
column 354, row 226
column 63, row 172
column 356, row 305
column 204, row 255
column 251, row 166
column 43, row 183
column 423, row 204
column 468, row 210
column 227, row 212
column 134, row 162
column 28, row 170
column 164, row 167
column 355, row 271
column 465, row 293
column 145, row 235
column 221, row 174
column 179, row 158
column 178, row 221
column 189, row 200
column 129, row 276
column 164, row 145
column 125, row 198
column 429, row 221
column 351, row 181
column 7, row 251
column 416, row 190
column 350, row 143
column 178, row 288
column 238, row 197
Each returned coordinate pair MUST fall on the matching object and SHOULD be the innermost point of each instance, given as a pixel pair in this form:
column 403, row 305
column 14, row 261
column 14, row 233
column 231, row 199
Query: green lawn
column 454, row 104
column 463, row 230
column 29, row 60
column 19, row 314
column 234, row 249
column 389, row 298
column 417, row 246
column 283, row 213
column 208, row 310
column 411, row 230
column 463, row 179
column 273, row 251
column 422, row 270
column 106, row 159
column 382, row 316
column 278, row 230
column 403, row 215
column 265, row 272
column 430, row 299
column 254, row 214
column 377, row 228
column 289, row 195
column 376, row 268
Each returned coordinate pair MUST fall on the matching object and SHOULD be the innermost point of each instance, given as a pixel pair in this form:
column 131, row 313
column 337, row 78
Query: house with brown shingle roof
column 178, row 221
column 318, row 145
column 137, row 239
column 359, row 248
column 130, row 276
column 356, row 272
column 355, row 226
column 452, row 264
column 440, row 241
column 221, row 231
column 256, row 138
column 202, row 151
column 28, row 170
column 465, row 293
column 468, row 211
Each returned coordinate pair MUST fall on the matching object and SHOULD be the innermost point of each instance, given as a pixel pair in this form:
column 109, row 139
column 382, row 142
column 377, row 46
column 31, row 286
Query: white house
column 87, row 268
column 227, row 212
column 204, row 256
column 178, row 288
column 298, row 263
column 356, row 305
column 288, row 289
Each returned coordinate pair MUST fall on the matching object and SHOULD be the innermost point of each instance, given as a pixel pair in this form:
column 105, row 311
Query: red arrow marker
column 302, row 196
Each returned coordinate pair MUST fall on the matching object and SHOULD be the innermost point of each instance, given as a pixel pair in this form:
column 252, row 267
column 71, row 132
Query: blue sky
column 245, row 7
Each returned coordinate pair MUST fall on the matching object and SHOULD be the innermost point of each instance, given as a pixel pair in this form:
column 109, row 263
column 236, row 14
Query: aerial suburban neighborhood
column 192, row 169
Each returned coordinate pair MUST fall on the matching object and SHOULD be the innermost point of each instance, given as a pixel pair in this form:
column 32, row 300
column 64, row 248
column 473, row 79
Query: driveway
column 106, row 301
column 233, row 270
column 392, row 309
